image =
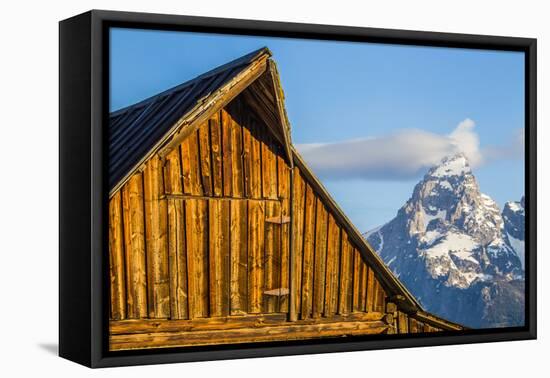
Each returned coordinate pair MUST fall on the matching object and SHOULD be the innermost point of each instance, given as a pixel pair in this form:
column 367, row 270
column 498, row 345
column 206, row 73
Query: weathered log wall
column 205, row 240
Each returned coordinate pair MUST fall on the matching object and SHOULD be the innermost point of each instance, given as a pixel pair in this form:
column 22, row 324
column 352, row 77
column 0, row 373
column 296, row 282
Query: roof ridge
column 244, row 59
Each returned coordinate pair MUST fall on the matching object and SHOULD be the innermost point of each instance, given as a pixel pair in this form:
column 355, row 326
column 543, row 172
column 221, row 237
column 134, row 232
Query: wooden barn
column 219, row 233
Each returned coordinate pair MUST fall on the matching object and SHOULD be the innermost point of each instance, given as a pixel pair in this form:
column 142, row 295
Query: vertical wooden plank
column 283, row 182
column 266, row 161
column 205, row 159
column 346, row 277
column 116, row 259
column 256, row 162
column 190, row 165
column 371, row 291
column 216, row 155
column 363, row 284
column 173, row 183
column 236, row 143
column 308, row 254
column 177, row 256
column 219, row 243
column 357, row 271
column 226, row 256
column 196, row 215
column 227, row 152
column 413, row 325
column 272, row 256
column 256, row 216
column 239, row 257
column 379, row 297
column 298, row 199
column 333, row 267
column 177, row 259
column 158, row 274
column 321, row 229
column 134, row 245
column 247, row 160
column 403, row 322
column 269, row 166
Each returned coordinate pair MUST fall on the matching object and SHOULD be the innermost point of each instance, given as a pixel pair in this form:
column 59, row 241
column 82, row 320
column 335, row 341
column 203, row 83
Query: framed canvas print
column 234, row 188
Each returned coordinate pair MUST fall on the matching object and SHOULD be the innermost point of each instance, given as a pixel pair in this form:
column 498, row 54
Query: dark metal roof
column 134, row 130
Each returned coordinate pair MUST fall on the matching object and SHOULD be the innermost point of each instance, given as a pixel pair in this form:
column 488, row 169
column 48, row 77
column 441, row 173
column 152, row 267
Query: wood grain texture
column 177, row 260
column 379, row 296
column 246, row 335
column 196, row 215
column 357, row 275
column 239, row 257
column 255, row 161
column 299, row 196
column 156, row 242
column 219, row 253
column 227, row 154
column 403, row 323
column 371, row 291
column 205, row 159
column 135, row 326
column 256, row 283
column 332, row 268
column 362, row 284
column 190, row 165
column 116, row 259
column 134, row 246
column 236, row 143
column 346, row 277
column 247, row 161
column 216, row 154
column 283, row 192
column 269, row 167
column 173, row 178
column 308, row 264
column 272, row 258
column 321, row 229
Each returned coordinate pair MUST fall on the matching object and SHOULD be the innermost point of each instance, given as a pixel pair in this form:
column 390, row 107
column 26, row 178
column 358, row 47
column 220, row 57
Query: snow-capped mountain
column 449, row 246
column 514, row 227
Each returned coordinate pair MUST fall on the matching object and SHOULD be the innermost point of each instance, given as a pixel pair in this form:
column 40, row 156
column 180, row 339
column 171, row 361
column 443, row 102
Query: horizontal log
column 284, row 332
column 166, row 325
column 437, row 322
column 134, row 326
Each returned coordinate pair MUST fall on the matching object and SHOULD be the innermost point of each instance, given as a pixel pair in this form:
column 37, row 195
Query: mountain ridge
column 452, row 247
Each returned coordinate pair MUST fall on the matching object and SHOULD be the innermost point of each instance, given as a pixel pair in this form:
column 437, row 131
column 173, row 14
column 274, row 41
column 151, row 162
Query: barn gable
column 220, row 233
column 159, row 123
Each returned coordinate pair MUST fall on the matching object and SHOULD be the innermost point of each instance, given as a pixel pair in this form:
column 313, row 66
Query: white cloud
column 466, row 140
column 405, row 154
column 515, row 149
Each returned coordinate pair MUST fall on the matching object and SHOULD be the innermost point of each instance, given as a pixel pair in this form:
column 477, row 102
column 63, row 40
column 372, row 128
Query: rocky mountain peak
column 455, row 165
column 450, row 192
column 448, row 236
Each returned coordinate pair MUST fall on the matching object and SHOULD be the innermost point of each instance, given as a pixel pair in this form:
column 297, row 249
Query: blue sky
column 342, row 92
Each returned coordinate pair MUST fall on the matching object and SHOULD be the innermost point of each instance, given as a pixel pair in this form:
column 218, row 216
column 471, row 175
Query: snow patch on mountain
column 451, row 238
column 452, row 166
column 514, row 226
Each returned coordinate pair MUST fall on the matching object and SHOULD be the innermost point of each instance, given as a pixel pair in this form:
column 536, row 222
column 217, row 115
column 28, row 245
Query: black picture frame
column 83, row 195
